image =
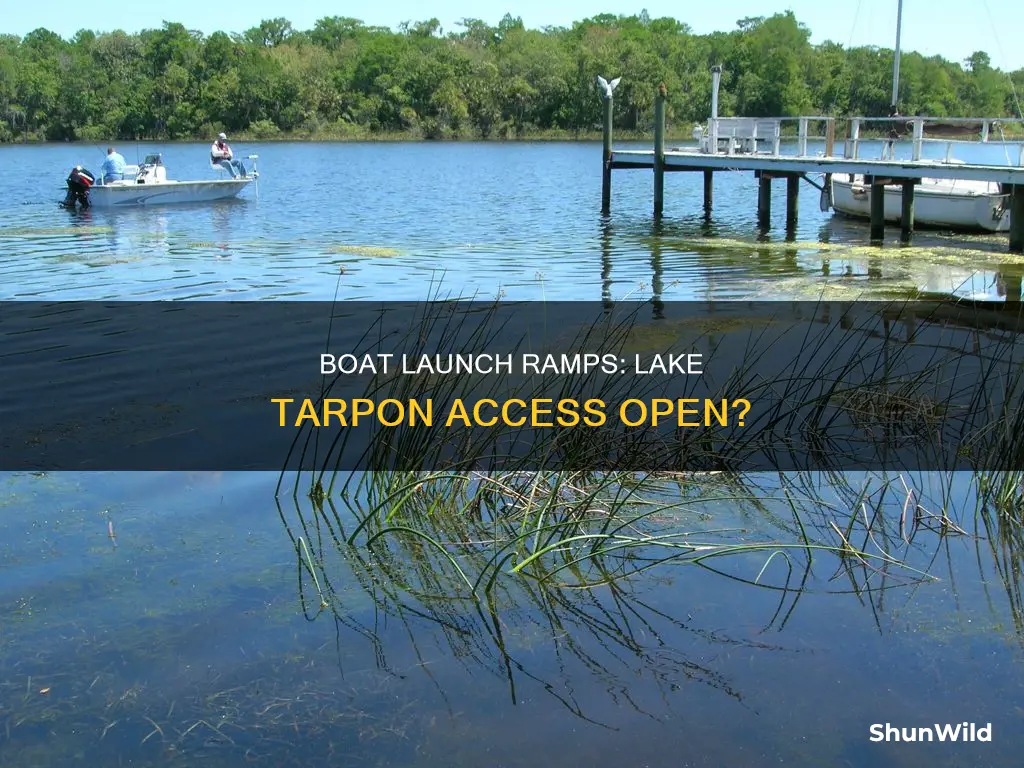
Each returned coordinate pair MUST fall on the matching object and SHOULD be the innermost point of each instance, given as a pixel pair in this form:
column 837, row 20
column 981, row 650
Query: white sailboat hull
column 965, row 205
column 121, row 194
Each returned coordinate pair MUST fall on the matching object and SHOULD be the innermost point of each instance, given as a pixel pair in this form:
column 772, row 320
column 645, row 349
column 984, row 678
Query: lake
column 172, row 619
column 390, row 220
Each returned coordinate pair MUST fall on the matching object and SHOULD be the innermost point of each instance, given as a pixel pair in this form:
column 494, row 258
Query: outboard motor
column 79, row 182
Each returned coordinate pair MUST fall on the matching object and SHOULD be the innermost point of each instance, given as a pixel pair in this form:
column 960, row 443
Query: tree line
column 343, row 78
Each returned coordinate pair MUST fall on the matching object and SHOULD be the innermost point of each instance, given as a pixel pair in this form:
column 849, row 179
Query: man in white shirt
column 220, row 154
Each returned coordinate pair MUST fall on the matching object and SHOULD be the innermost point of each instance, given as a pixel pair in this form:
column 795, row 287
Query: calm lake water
column 175, row 619
column 479, row 218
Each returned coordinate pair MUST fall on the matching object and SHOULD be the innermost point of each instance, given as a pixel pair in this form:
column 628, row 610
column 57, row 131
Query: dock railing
column 766, row 135
column 951, row 131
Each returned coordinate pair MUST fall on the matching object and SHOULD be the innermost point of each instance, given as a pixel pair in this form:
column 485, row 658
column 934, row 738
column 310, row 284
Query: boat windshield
column 152, row 160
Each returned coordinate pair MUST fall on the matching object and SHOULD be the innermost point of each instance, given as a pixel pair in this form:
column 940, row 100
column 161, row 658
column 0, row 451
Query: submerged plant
column 468, row 525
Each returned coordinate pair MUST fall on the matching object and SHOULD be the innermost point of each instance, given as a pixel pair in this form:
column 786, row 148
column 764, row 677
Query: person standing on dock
column 221, row 154
column 113, row 167
column 894, row 133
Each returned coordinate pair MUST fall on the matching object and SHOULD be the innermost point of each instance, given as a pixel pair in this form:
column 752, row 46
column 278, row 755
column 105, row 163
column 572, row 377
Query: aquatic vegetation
column 937, row 253
column 95, row 259
column 501, row 565
column 549, row 515
column 365, row 250
column 39, row 231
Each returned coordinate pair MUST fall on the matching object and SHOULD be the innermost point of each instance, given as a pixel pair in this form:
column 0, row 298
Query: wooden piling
column 659, row 151
column 1016, row 218
column 764, row 200
column 825, row 198
column 877, row 208
column 830, row 138
column 606, row 176
column 709, row 190
column 907, row 211
column 792, row 198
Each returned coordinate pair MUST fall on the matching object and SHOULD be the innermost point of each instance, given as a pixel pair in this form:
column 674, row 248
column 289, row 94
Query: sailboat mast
column 896, row 58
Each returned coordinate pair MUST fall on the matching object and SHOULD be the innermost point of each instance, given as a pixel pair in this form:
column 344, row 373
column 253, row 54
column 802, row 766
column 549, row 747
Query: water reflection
column 687, row 252
column 1008, row 282
column 606, row 263
column 722, row 259
column 657, row 269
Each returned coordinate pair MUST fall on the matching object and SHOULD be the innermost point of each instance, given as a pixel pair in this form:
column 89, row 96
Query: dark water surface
column 195, row 634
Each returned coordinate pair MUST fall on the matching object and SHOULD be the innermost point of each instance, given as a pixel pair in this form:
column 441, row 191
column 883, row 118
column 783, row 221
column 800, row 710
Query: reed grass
column 482, row 508
column 484, row 557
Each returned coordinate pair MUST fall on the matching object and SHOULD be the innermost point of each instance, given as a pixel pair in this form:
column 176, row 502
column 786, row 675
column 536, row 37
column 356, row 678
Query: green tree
column 477, row 80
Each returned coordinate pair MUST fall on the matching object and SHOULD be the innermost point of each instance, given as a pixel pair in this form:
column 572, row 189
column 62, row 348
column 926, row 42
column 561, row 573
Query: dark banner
column 644, row 386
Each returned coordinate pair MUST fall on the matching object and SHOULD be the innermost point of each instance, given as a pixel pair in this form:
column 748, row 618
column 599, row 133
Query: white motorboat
column 947, row 203
column 147, row 184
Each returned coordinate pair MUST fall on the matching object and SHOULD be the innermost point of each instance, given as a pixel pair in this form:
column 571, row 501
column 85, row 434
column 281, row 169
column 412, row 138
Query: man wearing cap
column 220, row 154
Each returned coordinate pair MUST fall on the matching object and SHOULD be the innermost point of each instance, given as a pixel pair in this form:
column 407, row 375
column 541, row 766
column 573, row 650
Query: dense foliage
column 343, row 78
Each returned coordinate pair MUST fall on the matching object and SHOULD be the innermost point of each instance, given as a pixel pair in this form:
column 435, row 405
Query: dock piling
column 606, row 175
column 1017, row 218
column 764, row 200
column 877, row 209
column 659, row 151
column 716, row 82
column 792, row 198
column 907, row 212
column 709, row 190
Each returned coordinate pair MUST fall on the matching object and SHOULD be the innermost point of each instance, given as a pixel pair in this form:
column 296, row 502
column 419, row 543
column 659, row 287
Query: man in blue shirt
column 113, row 167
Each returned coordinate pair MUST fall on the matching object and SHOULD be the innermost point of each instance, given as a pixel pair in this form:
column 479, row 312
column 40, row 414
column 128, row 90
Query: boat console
column 152, row 171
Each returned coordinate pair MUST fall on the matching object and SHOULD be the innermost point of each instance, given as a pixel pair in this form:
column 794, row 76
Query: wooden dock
column 783, row 165
column 754, row 145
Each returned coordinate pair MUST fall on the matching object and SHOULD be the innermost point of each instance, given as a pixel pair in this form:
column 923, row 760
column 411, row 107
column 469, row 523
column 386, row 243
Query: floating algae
column 364, row 250
column 933, row 253
column 838, row 288
column 95, row 260
column 36, row 231
column 638, row 337
column 727, row 244
column 670, row 334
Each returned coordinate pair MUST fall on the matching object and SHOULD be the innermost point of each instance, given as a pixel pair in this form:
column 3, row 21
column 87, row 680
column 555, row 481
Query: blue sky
column 932, row 27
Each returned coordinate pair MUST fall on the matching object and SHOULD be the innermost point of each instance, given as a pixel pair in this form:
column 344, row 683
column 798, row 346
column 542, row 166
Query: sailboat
column 946, row 203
